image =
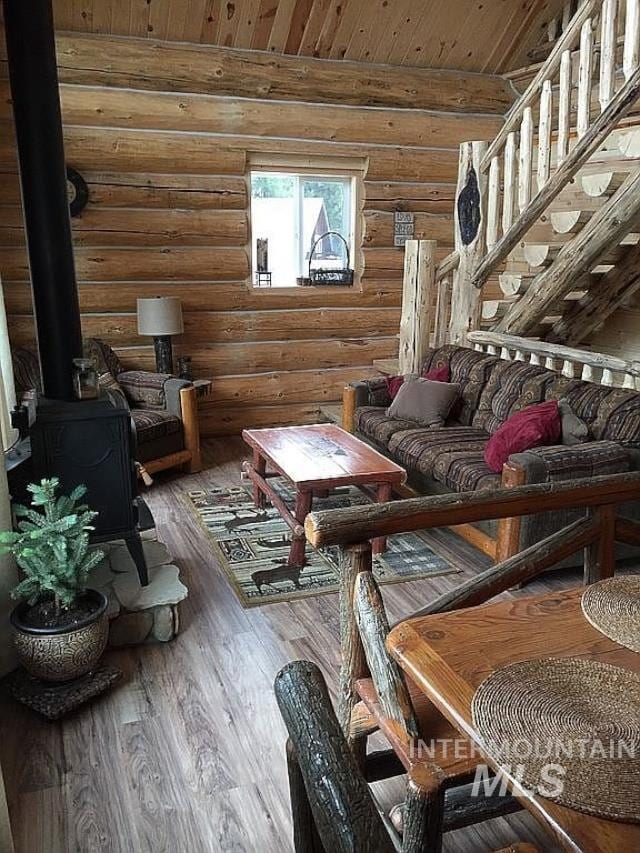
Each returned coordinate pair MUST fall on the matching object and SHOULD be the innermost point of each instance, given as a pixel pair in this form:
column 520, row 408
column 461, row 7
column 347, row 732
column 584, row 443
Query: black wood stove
column 90, row 442
column 87, row 441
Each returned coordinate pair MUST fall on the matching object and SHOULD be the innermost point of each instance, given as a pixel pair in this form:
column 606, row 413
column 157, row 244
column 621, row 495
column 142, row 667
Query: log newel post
column 349, row 405
column 470, row 240
column 417, row 300
column 354, row 559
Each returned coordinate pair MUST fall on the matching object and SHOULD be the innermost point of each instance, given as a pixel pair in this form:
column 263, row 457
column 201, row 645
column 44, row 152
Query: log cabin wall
column 163, row 134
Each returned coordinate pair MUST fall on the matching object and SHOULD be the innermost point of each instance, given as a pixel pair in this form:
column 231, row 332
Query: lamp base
column 164, row 355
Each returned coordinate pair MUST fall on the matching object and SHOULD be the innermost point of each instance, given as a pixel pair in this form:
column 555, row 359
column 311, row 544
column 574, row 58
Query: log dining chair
column 332, row 806
column 376, row 696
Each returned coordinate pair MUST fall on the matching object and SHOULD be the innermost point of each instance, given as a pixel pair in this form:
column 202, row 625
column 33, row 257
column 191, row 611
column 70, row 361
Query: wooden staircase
column 547, row 215
column 552, row 205
column 597, row 290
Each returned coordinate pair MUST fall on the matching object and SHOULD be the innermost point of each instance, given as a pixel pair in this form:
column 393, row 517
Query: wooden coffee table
column 314, row 460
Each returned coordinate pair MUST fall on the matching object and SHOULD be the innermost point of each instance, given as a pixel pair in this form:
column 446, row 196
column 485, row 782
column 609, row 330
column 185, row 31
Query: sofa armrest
column 553, row 464
column 371, row 392
column 147, row 390
column 173, row 400
column 368, row 392
column 577, row 462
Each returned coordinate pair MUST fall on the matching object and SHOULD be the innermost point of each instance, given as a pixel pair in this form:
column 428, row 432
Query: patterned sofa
column 451, row 458
column 163, row 408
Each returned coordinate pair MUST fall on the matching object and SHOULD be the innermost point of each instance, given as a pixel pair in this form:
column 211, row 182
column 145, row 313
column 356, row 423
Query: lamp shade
column 160, row 315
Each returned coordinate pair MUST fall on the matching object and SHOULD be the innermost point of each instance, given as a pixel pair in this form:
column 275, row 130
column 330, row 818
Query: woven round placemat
column 568, row 729
column 613, row 607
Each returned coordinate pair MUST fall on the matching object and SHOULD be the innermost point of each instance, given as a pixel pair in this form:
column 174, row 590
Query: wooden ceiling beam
column 172, row 67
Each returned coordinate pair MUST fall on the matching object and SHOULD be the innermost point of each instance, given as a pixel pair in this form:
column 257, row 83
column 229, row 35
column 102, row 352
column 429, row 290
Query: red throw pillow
column 531, row 427
column 394, row 384
column 438, row 374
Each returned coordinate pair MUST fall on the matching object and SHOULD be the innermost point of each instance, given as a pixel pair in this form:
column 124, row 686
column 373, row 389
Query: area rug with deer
column 253, row 545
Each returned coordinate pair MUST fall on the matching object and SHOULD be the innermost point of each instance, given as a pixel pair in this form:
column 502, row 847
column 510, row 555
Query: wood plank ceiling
column 475, row 35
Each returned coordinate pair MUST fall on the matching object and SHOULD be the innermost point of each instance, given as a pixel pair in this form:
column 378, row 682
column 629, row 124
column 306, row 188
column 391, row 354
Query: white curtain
column 7, row 384
column 8, row 573
column 8, row 579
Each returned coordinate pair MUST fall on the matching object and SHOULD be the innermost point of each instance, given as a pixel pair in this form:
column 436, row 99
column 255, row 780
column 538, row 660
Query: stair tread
column 332, row 412
column 387, row 366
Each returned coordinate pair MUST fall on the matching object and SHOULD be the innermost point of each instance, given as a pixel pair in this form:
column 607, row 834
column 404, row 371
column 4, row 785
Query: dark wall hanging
column 77, row 191
column 469, row 209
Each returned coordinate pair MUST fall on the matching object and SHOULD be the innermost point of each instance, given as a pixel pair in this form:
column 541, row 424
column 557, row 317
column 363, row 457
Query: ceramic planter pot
column 64, row 653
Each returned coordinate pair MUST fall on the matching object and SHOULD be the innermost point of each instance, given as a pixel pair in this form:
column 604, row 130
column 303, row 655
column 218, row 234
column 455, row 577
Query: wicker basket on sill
column 342, row 277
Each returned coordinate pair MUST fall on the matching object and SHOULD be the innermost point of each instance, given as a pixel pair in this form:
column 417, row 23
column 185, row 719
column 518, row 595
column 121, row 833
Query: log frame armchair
column 374, row 693
column 164, row 409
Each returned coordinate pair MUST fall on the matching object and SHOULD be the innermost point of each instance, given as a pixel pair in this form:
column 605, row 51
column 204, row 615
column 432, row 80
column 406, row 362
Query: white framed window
column 291, row 212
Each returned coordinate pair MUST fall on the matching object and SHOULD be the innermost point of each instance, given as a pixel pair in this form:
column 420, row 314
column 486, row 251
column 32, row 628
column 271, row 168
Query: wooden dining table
column 448, row 655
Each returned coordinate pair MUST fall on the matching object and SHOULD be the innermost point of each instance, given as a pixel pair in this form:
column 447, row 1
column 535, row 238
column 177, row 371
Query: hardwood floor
column 187, row 756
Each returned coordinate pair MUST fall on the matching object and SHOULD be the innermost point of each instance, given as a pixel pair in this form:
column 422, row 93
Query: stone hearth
column 140, row 614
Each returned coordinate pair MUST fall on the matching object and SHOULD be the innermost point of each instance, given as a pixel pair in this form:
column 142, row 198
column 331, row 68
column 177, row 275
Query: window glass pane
column 289, row 213
column 274, row 219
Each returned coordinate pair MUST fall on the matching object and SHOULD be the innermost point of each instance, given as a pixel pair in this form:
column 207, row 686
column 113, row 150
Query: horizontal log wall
column 166, row 164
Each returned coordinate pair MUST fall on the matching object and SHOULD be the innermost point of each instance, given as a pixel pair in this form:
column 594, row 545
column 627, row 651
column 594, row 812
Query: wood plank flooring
column 187, row 756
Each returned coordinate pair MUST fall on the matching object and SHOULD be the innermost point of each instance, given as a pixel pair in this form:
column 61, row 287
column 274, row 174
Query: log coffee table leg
column 260, row 467
column 379, row 545
column 303, row 508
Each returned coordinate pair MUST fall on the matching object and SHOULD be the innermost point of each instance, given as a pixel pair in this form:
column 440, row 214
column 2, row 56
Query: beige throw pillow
column 574, row 429
column 423, row 401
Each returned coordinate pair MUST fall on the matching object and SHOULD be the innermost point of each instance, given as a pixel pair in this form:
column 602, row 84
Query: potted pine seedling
column 60, row 627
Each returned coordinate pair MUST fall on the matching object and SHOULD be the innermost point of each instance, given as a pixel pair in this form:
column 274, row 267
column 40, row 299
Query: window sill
column 356, row 287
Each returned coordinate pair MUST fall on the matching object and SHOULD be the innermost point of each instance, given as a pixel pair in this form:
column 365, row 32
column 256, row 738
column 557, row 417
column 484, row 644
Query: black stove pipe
column 36, row 109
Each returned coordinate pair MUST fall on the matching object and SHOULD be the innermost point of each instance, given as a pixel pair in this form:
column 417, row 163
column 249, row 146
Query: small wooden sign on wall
column 402, row 227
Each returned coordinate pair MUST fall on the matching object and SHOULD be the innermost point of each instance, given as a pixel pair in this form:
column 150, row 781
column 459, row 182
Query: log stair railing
column 513, row 202
column 595, row 367
column 511, row 157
